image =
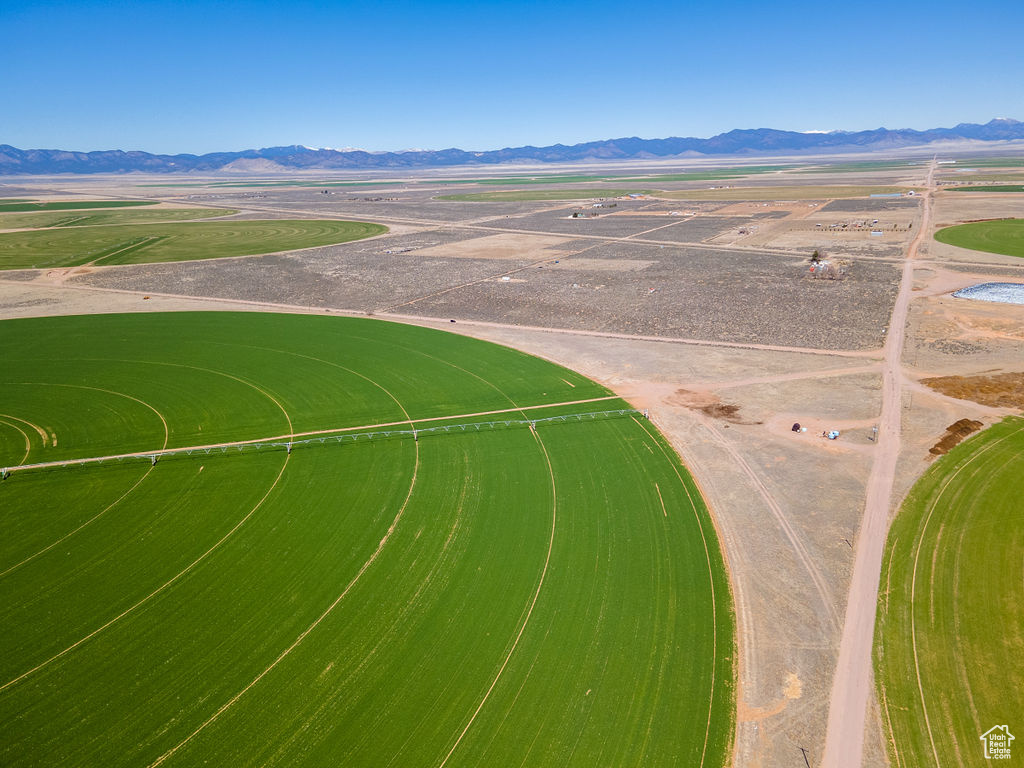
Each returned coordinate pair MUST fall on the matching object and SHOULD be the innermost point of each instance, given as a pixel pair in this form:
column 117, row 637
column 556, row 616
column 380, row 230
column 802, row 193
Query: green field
column 711, row 175
column 973, row 178
column 1005, row 236
column 949, row 641
column 991, row 162
column 718, row 173
column 105, row 218
column 69, row 205
column 269, row 184
column 779, row 193
column 525, row 179
column 148, row 243
column 586, row 193
column 507, row 596
column 993, row 188
column 864, row 167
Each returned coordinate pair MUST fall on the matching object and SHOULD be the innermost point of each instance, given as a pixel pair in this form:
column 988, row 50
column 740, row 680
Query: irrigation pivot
column 260, row 444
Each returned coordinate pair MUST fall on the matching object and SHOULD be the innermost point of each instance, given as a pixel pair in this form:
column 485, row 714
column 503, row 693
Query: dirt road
column 852, row 683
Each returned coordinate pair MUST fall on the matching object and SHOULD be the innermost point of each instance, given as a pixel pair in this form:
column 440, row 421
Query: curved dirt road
column 852, row 682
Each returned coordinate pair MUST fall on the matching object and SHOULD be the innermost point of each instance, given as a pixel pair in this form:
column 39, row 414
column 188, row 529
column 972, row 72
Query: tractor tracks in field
column 711, row 582
column 529, row 611
column 178, row 576
column 118, row 500
column 802, row 555
column 162, row 588
column 913, row 585
column 305, row 633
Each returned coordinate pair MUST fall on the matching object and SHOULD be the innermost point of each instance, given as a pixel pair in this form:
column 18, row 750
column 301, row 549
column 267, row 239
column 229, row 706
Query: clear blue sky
column 201, row 77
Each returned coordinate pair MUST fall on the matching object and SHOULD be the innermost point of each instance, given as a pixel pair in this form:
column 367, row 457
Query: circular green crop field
column 950, row 630
column 318, row 541
column 19, row 205
column 47, row 220
column 184, row 241
column 1005, row 236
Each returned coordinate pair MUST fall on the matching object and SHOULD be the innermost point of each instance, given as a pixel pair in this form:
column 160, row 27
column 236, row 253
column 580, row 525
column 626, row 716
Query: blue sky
column 202, row 77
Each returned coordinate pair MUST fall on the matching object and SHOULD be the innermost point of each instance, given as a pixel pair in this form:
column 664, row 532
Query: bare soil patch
column 696, row 229
column 872, row 205
column 604, row 265
column 502, row 246
column 621, row 224
column 776, row 208
column 1003, row 390
column 951, row 336
column 955, row 433
column 710, row 405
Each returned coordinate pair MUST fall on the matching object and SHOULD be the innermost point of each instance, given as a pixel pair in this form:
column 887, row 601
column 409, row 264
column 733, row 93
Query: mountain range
column 760, row 141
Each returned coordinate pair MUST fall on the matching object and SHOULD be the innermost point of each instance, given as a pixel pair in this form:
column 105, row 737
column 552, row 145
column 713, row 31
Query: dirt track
column 852, row 683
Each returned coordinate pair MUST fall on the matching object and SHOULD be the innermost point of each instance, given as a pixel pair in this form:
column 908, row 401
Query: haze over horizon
column 231, row 75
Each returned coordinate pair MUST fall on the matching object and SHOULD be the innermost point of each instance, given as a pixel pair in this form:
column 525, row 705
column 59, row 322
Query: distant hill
column 758, row 141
